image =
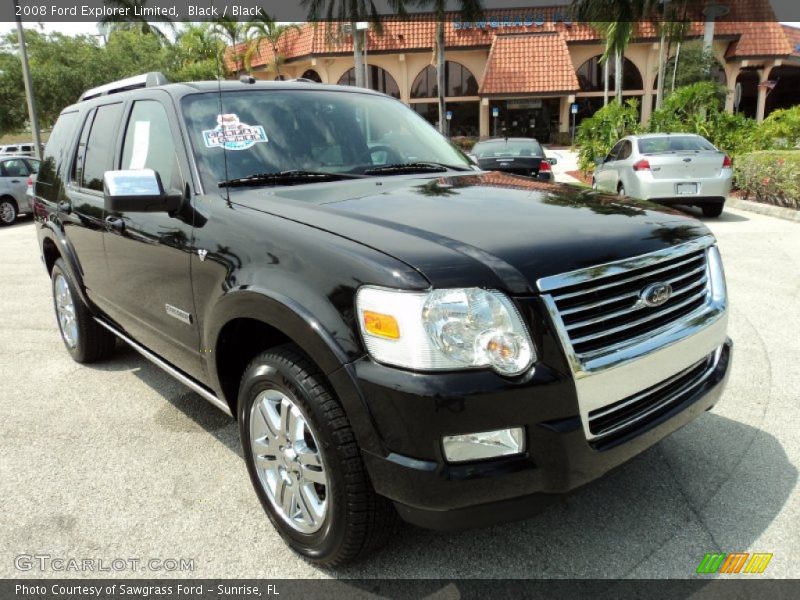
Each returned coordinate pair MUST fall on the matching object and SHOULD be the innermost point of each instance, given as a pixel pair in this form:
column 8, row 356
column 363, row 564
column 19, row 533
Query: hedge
column 771, row 176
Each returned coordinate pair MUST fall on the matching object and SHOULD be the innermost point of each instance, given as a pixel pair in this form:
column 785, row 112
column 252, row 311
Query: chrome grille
column 619, row 418
column 606, row 312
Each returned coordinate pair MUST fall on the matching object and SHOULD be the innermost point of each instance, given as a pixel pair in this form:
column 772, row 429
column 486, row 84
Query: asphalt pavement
column 119, row 461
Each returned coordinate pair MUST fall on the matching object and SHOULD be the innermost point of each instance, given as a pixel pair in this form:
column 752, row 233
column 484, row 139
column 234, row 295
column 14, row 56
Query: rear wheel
column 712, row 210
column 304, row 462
column 8, row 211
column 84, row 339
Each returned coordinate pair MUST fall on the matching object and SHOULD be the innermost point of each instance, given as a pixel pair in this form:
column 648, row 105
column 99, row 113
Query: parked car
column 669, row 168
column 395, row 334
column 18, row 149
column 520, row 156
column 15, row 172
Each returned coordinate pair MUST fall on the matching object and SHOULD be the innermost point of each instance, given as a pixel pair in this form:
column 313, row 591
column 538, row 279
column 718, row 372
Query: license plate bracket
column 686, row 188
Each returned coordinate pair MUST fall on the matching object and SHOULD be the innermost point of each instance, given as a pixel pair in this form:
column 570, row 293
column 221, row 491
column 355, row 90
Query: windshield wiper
column 414, row 167
column 287, row 178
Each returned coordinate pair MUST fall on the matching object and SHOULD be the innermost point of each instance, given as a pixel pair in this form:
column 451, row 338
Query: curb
column 789, row 214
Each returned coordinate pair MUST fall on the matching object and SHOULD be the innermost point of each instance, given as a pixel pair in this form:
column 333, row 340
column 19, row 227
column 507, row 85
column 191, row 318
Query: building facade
column 520, row 71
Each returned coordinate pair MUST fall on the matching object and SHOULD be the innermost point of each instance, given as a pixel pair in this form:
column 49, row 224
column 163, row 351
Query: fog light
column 487, row 444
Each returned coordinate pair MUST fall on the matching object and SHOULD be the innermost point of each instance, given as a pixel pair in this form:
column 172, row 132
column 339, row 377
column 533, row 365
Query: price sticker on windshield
column 231, row 134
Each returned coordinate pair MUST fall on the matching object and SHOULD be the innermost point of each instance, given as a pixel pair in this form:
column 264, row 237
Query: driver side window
column 149, row 143
column 612, row 156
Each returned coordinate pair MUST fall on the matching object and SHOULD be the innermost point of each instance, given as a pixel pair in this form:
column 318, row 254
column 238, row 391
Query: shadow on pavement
column 697, row 213
column 714, row 485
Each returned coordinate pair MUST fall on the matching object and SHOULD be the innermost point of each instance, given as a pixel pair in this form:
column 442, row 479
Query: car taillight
column 30, row 181
column 727, row 163
column 642, row 165
column 544, row 166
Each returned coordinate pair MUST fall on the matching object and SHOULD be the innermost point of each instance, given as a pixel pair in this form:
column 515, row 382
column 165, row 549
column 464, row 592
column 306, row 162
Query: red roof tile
column 529, row 64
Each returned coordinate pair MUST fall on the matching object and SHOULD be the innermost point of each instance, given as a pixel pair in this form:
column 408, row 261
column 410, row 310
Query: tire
column 8, row 211
column 84, row 339
column 712, row 210
column 594, row 183
column 343, row 517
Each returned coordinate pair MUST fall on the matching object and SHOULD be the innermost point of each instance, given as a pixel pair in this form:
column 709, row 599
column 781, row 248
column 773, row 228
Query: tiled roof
column 529, row 64
column 751, row 24
column 793, row 37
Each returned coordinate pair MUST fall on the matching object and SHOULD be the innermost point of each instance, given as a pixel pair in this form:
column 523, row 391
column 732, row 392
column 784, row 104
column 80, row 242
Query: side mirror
column 552, row 161
column 137, row 191
column 599, row 160
column 473, row 159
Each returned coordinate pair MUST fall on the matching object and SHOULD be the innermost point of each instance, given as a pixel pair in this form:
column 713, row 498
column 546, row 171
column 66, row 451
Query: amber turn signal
column 381, row 325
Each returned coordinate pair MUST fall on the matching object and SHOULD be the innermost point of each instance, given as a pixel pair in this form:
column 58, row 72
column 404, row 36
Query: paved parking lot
column 117, row 460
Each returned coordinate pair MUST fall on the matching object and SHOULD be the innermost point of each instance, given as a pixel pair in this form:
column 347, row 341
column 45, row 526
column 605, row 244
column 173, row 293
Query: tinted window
column 33, row 165
column 459, row 82
column 614, row 152
column 11, row 149
column 14, row 168
column 509, row 148
column 57, row 145
column 149, row 143
column 99, row 150
column 674, row 143
column 625, row 151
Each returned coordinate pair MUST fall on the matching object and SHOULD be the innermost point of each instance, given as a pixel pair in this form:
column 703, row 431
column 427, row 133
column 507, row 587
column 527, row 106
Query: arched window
column 312, row 75
column 459, row 79
column 379, row 80
column 590, row 75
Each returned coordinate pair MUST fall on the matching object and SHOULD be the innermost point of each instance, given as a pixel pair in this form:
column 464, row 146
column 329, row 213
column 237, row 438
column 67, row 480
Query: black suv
column 395, row 331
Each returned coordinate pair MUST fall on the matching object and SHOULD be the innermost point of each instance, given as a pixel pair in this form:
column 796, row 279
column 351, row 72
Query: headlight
column 444, row 329
column 717, row 276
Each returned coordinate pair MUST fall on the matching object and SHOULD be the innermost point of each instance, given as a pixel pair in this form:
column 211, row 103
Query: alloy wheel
column 65, row 310
column 288, row 461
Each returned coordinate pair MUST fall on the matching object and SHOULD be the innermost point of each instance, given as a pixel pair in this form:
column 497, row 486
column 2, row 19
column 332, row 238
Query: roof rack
column 152, row 79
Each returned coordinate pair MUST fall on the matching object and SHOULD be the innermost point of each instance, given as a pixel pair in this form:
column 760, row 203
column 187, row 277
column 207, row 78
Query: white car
column 16, row 176
column 669, row 168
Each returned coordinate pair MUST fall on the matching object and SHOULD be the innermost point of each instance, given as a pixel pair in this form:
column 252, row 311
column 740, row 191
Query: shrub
column 770, row 176
column 597, row 134
column 780, row 130
column 465, row 143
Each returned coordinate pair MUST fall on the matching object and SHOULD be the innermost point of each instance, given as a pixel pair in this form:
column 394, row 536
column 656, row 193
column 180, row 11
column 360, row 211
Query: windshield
column 507, row 148
column 277, row 131
column 674, row 143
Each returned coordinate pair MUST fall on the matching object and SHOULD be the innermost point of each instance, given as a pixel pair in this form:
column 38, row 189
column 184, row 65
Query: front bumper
column 413, row 411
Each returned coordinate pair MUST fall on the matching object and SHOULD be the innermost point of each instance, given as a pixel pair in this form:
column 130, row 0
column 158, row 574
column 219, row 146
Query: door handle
column 15, row 181
column 115, row 223
column 65, row 207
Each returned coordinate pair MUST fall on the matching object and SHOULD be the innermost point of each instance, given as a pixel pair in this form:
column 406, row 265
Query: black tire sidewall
column 274, row 374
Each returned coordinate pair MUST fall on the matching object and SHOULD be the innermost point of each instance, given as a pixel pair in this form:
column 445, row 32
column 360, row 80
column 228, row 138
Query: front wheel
column 304, row 462
column 712, row 210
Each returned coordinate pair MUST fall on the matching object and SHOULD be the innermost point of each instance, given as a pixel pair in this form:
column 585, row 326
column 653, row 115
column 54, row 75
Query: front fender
column 315, row 338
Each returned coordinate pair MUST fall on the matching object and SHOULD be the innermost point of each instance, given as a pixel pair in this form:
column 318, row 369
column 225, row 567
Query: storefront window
column 460, row 82
column 525, row 117
column 590, row 75
column 379, row 80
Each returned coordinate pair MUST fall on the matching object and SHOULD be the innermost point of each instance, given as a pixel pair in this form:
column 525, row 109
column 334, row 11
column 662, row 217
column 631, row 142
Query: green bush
column 465, row 143
column 770, row 176
column 597, row 134
column 780, row 130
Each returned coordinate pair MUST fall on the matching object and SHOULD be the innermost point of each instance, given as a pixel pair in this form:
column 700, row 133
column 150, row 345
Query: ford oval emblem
column 655, row 294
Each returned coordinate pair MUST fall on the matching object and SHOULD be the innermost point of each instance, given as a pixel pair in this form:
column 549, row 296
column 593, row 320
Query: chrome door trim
column 160, row 362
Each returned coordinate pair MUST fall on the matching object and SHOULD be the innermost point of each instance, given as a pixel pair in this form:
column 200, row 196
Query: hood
column 489, row 230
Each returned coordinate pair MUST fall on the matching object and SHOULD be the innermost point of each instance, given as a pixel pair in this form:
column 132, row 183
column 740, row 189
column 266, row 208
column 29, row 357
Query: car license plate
column 687, row 188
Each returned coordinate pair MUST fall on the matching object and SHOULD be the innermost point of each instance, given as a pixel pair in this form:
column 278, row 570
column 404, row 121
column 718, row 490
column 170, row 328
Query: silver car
column 670, row 168
column 15, row 171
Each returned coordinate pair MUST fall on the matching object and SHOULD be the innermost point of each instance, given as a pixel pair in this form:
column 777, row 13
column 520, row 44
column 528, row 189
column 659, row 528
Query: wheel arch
column 247, row 322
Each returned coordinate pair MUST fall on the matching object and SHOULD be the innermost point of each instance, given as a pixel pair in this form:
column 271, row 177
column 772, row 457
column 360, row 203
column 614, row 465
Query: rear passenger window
column 98, row 153
column 625, row 151
column 149, row 143
column 14, row 168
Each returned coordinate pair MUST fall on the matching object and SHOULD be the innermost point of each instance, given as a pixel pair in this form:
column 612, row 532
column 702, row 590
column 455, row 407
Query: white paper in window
column 141, row 144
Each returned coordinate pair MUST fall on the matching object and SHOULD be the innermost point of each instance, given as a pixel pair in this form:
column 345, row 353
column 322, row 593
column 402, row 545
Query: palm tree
column 140, row 23
column 263, row 28
column 470, row 10
column 351, row 12
column 619, row 17
column 232, row 32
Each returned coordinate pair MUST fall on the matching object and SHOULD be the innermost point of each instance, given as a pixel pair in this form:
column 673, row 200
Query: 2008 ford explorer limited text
column 396, row 332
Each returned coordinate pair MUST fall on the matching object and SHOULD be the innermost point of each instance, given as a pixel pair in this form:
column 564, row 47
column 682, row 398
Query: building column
column 761, row 104
column 564, row 116
column 484, row 119
column 405, row 85
column 731, row 74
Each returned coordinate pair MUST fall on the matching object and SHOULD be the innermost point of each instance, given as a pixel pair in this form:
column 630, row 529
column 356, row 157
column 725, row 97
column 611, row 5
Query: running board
column 160, row 362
